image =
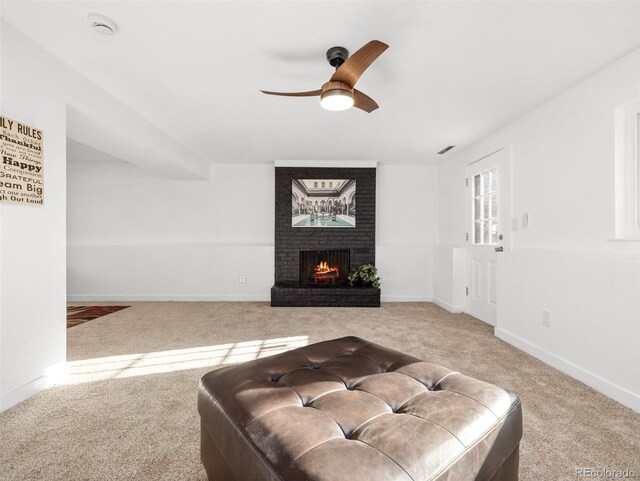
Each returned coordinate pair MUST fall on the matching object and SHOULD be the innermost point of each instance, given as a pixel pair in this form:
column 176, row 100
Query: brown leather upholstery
column 350, row 409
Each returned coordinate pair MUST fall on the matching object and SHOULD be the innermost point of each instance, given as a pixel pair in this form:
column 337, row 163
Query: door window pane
column 485, row 207
column 494, row 232
column 486, row 182
column 494, row 179
column 485, row 232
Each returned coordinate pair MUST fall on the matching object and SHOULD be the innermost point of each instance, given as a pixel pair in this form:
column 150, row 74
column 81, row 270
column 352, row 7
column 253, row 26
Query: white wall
column 595, row 323
column 565, row 261
column 449, row 278
column 406, row 230
column 32, row 238
column 38, row 89
column 133, row 235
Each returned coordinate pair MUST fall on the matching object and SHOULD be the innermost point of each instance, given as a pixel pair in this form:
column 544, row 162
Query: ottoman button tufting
column 254, row 431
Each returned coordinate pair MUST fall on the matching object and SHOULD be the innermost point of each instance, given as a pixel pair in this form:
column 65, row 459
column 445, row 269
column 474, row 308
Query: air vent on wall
column 446, row 149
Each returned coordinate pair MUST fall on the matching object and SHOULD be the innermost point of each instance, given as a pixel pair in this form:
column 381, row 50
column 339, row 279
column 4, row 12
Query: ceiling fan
column 339, row 92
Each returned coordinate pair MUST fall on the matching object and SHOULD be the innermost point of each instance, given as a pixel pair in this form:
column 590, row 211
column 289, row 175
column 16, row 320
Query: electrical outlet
column 546, row 318
column 242, row 280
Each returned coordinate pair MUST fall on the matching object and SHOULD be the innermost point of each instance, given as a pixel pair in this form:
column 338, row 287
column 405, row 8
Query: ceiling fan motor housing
column 337, row 56
column 334, row 85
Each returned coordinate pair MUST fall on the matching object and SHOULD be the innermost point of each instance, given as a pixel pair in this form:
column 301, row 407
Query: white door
column 487, row 201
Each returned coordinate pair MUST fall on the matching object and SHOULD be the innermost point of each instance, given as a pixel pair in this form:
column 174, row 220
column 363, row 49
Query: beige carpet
column 129, row 411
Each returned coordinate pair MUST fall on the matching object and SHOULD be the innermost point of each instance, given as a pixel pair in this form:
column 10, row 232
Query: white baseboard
column 622, row 395
column 405, row 298
column 448, row 307
column 267, row 298
column 16, row 396
column 55, row 374
column 125, row 298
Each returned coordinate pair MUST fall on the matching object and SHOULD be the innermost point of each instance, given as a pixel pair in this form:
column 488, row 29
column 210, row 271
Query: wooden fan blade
column 363, row 101
column 311, row 93
column 350, row 71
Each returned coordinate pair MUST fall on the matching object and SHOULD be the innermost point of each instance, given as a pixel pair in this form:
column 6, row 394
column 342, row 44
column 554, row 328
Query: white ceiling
column 454, row 72
column 79, row 152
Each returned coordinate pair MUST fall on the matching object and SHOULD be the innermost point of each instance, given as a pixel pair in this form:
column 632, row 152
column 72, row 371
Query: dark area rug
column 79, row 314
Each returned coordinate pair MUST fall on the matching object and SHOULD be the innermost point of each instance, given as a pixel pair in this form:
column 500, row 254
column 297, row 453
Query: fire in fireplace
column 318, row 268
column 323, row 272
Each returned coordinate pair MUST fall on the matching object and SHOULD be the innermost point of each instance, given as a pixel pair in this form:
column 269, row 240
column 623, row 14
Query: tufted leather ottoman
column 348, row 409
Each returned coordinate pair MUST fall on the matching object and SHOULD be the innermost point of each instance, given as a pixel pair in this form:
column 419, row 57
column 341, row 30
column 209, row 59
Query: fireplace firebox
column 324, row 268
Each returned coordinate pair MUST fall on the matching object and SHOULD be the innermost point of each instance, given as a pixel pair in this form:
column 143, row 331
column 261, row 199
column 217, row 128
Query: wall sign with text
column 21, row 169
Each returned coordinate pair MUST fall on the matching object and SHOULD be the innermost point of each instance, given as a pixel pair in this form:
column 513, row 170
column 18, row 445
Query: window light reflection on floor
column 129, row 365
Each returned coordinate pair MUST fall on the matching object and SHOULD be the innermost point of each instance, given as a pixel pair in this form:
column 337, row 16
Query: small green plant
column 366, row 275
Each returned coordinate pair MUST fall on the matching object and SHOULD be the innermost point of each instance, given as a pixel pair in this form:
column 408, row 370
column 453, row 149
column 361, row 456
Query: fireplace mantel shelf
column 340, row 164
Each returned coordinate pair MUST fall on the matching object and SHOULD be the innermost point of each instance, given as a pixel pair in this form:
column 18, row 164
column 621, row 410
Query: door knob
column 499, row 249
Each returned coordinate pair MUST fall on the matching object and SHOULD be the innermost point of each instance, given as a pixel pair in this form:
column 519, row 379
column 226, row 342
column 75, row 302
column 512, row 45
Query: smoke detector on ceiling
column 101, row 24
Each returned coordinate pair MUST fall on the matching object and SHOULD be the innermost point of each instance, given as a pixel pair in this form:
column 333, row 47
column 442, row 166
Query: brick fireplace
column 312, row 263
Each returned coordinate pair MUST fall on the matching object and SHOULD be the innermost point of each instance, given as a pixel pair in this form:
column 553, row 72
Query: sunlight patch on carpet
column 130, row 365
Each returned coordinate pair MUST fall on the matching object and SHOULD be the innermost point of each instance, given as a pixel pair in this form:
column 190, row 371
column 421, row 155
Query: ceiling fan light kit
column 339, row 92
column 336, row 96
column 336, row 100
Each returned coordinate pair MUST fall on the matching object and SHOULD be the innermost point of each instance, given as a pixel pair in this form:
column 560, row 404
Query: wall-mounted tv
column 323, row 203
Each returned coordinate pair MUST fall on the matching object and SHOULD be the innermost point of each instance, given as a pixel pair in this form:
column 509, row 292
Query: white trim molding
column 393, row 298
column 448, row 307
column 169, row 298
column 54, row 375
column 16, row 396
column 163, row 243
column 627, row 172
column 229, row 298
column 623, row 396
column 358, row 164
